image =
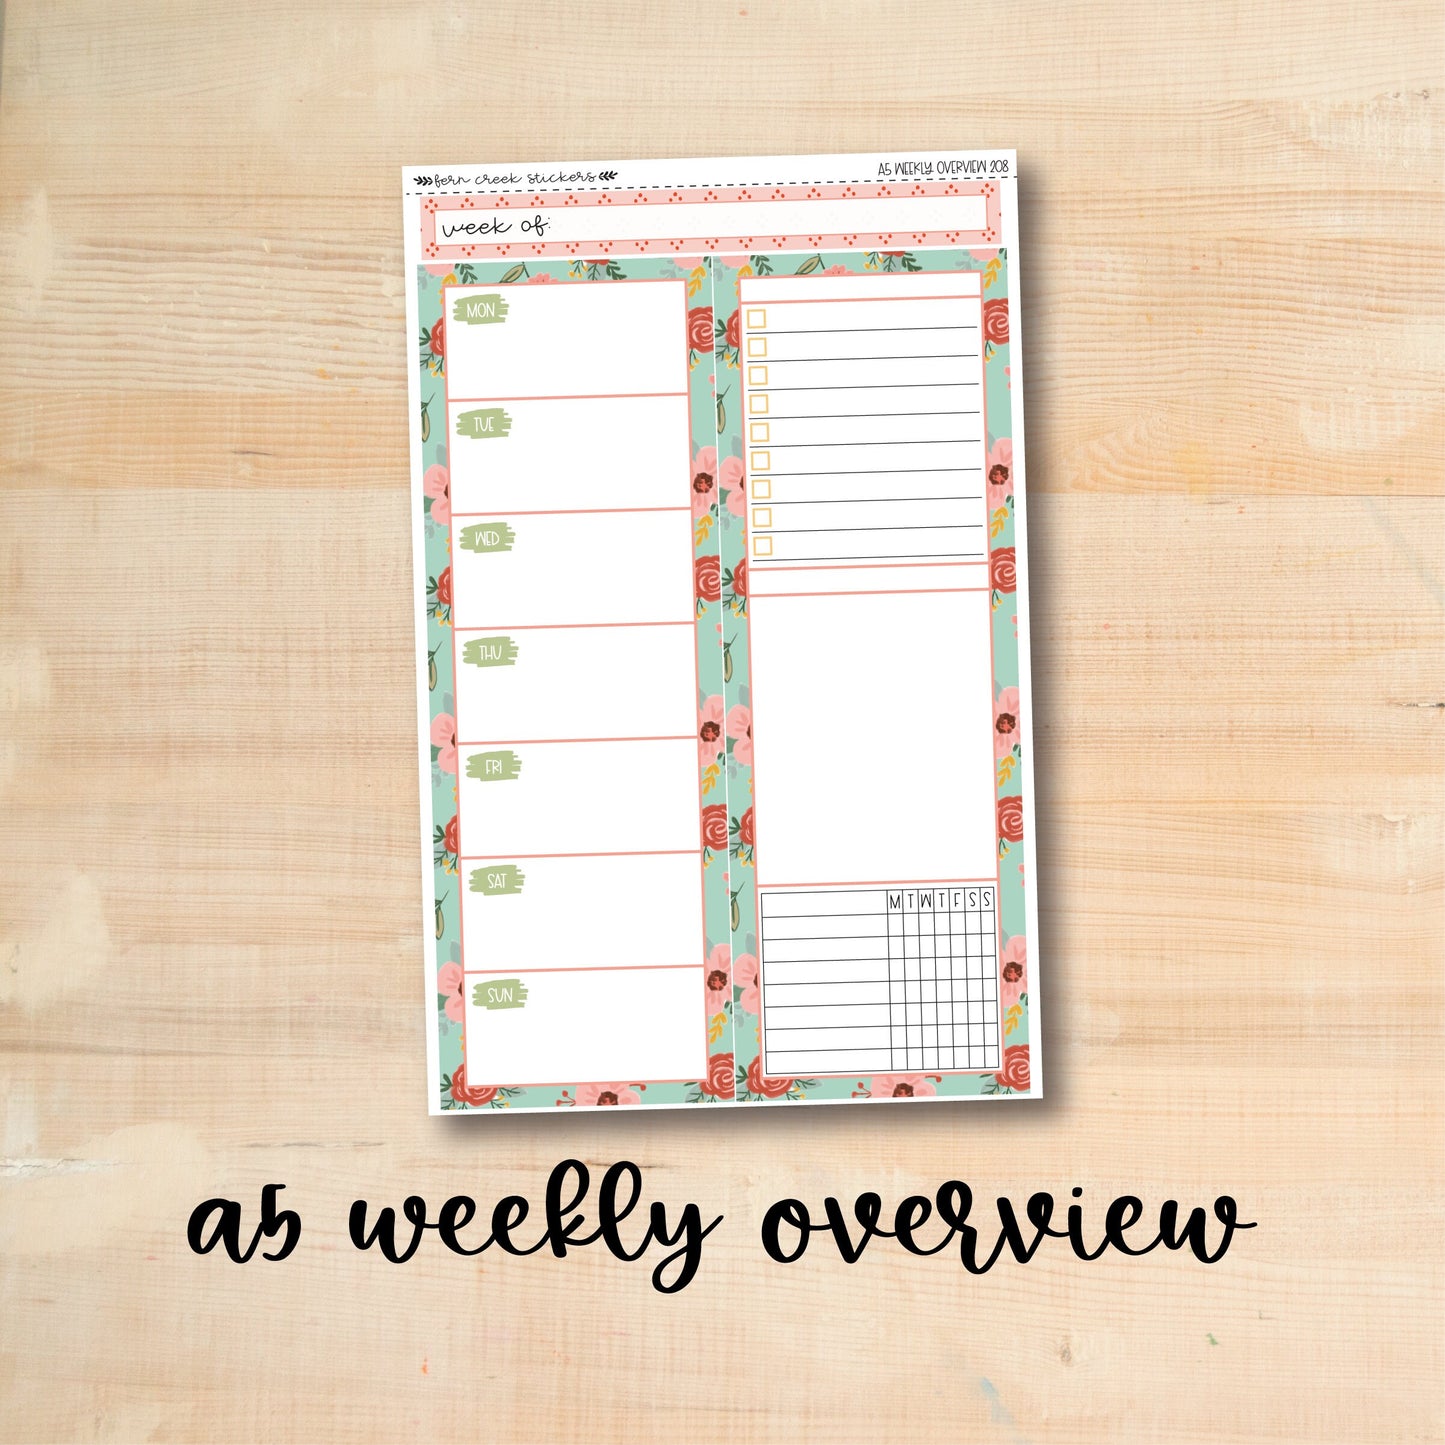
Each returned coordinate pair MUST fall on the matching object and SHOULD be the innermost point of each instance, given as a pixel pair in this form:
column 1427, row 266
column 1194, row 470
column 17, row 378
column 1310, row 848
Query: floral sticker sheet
column 722, row 632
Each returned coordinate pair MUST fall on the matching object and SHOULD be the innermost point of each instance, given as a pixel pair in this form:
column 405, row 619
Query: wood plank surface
column 1234, row 266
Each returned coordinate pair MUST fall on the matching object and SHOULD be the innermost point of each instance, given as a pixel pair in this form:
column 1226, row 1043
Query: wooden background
column 1234, row 258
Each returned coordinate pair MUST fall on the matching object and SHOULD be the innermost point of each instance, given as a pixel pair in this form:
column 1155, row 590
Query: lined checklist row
column 865, row 430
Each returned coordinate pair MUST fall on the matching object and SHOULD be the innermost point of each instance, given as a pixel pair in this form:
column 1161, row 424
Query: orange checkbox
column 762, row 546
column 762, row 516
column 757, row 346
column 762, row 489
column 758, row 432
column 757, row 376
column 757, row 318
column 758, row 403
column 762, row 461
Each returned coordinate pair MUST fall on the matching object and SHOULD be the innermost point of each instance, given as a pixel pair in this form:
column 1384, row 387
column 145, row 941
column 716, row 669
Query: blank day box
column 757, row 346
column 757, row 376
column 758, row 432
column 762, row 516
column 757, row 317
column 762, row 461
column 758, row 405
column 762, row 546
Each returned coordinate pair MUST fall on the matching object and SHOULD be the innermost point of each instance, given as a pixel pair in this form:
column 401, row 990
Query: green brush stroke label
column 500, row 993
column 487, row 310
column 488, row 537
column 500, row 767
column 484, row 423
column 490, row 652
column 497, row 879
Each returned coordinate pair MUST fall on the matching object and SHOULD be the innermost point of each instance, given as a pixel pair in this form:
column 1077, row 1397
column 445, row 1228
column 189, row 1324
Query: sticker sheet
column 722, row 632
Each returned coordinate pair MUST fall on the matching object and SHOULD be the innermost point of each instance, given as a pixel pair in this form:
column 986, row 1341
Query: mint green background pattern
column 729, row 892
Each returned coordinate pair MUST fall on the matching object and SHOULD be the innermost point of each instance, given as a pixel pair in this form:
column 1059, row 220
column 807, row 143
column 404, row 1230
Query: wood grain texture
column 1234, row 262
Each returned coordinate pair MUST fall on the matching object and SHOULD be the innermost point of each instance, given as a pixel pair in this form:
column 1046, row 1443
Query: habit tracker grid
column 722, row 631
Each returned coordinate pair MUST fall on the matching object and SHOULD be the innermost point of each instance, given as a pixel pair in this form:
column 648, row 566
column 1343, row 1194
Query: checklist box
column 758, row 432
column 762, row 461
column 762, row 489
column 757, row 317
column 757, row 346
column 762, row 546
column 757, row 376
column 762, row 516
column 758, row 404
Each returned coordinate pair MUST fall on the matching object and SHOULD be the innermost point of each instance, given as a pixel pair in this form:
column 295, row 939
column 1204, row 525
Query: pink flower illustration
column 1013, row 970
column 732, row 481
column 450, row 981
column 704, row 480
column 540, row 276
column 444, row 736
column 740, row 729
column 735, row 263
column 715, row 976
column 837, row 271
column 710, row 730
column 1005, row 722
column 1000, row 473
column 745, row 972
column 436, row 484
column 900, row 1086
column 605, row 1094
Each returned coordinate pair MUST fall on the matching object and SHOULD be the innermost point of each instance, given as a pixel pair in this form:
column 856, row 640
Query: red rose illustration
column 715, row 826
column 1001, row 574
column 734, row 335
column 995, row 321
column 1015, row 1071
column 719, row 1081
column 707, row 577
column 699, row 328
column 740, row 579
column 444, row 587
column 451, row 836
column 438, row 338
column 768, row 1088
column 745, row 829
column 465, row 1093
column 1011, row 819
